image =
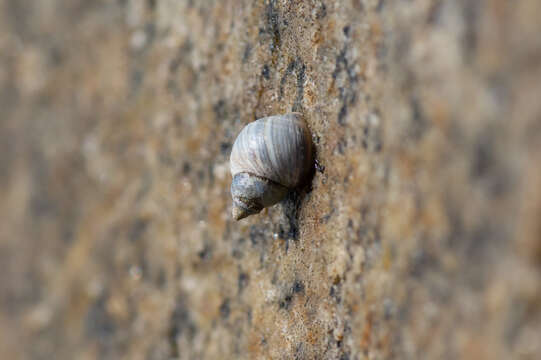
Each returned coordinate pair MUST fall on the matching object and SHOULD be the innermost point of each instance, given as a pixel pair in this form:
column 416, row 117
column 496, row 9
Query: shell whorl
column 277, row 148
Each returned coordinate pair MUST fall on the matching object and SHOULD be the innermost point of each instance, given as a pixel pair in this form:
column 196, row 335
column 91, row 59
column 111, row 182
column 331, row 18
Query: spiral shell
column 269, row 156
column 278, row 148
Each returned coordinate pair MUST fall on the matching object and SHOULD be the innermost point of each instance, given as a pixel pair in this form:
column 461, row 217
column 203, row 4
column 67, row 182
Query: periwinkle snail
column 270, row 156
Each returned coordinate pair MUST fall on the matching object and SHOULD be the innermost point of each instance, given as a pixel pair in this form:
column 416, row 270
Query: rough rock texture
column 421, row 238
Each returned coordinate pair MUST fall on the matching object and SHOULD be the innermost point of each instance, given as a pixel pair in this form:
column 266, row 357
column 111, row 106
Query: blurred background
column 420, row 239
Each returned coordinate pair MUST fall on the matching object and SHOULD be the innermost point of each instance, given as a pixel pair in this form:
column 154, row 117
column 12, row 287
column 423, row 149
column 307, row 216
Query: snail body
column 270, row 156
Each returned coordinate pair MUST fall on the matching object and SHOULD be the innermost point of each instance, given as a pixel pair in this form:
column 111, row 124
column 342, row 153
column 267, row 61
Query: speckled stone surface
column 420, row 238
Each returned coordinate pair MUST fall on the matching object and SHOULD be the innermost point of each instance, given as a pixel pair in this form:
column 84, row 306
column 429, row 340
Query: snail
column 269, row 157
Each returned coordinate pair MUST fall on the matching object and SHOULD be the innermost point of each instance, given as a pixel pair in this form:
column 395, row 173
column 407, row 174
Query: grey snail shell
column 270, row 156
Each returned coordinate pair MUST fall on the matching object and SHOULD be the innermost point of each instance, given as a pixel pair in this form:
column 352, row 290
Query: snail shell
column 270, row 156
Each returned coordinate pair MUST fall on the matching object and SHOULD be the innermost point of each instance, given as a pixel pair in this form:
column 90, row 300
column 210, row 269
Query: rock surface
column 420, row 238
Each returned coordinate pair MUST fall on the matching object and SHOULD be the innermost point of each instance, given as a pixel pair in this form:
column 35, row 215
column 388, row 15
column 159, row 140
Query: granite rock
column 418, row 237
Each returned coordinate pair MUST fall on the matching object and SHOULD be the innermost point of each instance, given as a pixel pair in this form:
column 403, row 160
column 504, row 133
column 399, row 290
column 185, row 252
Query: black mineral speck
column 220, row 110
column 286, row 302
column 298, row 287
column 321, row 12
column 342, row 115
column 180, row 324
column 482, row 162
column 266, row 72
column 301, row 69
column 225, row 148
column 186, row 168
column 243, row 281
column 247, row 52
column 225, row 309
column 257, row 236
column 205, row 253
column 272, row 24
column 289, row 70
column 419, row 122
